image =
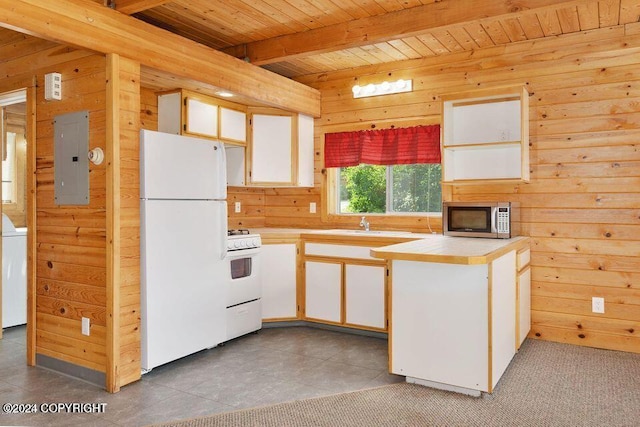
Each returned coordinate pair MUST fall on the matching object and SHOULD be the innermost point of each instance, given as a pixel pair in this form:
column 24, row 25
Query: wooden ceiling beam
column 88, row 25
column 394, row 25
column 134, row 6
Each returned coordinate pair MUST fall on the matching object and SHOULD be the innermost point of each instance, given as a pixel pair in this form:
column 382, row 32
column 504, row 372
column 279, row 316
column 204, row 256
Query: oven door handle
column 243, row 253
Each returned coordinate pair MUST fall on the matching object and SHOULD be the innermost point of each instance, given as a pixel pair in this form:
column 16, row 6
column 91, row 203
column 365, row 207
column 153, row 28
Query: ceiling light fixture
column 384, row 88
column 225, row 94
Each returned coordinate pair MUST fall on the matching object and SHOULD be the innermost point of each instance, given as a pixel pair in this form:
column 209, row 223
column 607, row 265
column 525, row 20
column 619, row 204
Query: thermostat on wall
column 53, row 86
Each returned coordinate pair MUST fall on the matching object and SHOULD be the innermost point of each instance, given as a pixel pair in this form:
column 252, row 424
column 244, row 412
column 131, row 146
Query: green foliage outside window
column 366, row 188
column 398, row 188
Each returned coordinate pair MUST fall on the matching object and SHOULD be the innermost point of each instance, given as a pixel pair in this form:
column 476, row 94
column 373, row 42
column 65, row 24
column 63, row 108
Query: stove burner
column 238, row 232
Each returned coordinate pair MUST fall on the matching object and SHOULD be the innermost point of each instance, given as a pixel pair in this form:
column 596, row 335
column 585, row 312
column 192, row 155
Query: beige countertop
column 380, row 237
column 399, row 245
column 451, row 250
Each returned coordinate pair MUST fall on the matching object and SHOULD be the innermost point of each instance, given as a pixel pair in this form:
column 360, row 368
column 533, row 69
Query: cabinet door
column 201, row 118
column 233, row 125
column 271, row 149
column 323, row 291
column 365, row 296
column 278, row 273
column 305, row 151
column 235, row 165
column 170, row 113
column 524, row 305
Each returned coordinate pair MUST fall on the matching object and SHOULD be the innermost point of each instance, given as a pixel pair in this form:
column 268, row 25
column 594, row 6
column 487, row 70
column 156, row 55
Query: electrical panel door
column 71, row 162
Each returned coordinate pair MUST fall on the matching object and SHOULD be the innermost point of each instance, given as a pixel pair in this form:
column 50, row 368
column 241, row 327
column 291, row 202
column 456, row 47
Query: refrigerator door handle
column 221, row 171
column 223, row 230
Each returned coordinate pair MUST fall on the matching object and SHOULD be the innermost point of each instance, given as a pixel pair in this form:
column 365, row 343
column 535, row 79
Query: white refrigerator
column 183, row 242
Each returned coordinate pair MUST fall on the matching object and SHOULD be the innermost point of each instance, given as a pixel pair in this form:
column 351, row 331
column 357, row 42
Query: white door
column 180, row 167
column 183, row 292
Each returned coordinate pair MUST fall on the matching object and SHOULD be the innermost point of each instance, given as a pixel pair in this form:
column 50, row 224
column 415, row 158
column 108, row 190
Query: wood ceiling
column 303, row 37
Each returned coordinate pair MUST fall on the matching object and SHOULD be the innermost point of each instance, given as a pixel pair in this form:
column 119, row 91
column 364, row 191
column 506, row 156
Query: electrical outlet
column 312, row 207
column 238, row 207
column 86, row 326
column 597, row 305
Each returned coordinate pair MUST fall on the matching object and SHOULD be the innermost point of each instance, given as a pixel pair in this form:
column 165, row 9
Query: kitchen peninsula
column 459, row 309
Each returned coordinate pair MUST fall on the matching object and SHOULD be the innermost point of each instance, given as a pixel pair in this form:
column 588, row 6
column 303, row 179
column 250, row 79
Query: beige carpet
column 547, row 384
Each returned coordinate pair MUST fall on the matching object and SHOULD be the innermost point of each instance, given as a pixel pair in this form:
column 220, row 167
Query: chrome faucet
column 364, row 223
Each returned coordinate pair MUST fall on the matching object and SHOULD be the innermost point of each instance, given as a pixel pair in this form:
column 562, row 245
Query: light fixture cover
column 384, row 88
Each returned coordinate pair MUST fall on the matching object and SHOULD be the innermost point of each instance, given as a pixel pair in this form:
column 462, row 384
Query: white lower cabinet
column 323, row 291
column 345, row 285
column 365, row 295
column 454, row 326
column 524, row 305
column 278, row 271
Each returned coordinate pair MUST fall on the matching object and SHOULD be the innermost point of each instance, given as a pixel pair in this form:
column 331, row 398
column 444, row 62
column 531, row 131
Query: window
column 386, row 170
column 409, row 188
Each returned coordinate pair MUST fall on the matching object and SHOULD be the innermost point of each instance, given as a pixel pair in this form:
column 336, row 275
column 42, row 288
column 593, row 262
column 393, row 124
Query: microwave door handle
column 494, row 223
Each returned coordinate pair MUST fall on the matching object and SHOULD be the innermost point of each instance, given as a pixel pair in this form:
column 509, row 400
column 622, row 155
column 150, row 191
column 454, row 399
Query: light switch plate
column 597, row 305
column 86, row 326
column 312, row 207
column 237, row 207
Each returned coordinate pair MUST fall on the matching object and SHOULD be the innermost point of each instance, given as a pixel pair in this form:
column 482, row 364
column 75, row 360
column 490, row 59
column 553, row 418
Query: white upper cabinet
column 281, row 149
column 265, row 147
column 485, row 136
column 305, row 151
column 200, row 117
column 233, row 125
column 272, row 153
column 187, row 113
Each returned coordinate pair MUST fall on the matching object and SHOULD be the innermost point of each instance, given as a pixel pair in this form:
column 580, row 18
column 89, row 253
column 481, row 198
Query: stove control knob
column 254, row 243
column 236, row 244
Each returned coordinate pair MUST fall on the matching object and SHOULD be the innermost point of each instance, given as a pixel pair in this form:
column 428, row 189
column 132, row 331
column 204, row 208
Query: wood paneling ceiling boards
column 91, row 26
column 303, row 37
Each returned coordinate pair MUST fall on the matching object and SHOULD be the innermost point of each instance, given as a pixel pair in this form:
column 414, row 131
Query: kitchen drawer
column 338, row 251
column 523, row 258
column 244, row 318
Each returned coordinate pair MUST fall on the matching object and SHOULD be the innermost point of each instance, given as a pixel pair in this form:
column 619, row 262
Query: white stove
column 237, row 240
column 244, row 304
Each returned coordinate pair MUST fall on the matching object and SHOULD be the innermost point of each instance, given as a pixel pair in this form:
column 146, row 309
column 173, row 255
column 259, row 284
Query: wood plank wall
column 71, row 247
column 123, row 221
column 582, row 207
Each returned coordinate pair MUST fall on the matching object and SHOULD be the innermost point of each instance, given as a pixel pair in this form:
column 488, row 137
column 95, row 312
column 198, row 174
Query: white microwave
column 494, row 220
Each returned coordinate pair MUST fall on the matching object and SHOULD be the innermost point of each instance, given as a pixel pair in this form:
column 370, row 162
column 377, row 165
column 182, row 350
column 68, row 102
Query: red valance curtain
column 398, row 146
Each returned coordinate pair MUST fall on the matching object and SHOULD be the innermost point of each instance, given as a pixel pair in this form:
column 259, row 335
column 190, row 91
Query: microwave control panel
column 503, row 220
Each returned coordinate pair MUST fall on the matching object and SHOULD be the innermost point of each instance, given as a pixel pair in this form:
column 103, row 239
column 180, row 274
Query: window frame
column 333, row 187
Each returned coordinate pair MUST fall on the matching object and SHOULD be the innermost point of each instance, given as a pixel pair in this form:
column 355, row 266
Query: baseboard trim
column 442, row 386
column 347, row 330
column 75, row 371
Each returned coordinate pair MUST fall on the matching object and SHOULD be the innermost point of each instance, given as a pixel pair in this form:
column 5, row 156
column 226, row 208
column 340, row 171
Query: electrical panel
column 71, row 161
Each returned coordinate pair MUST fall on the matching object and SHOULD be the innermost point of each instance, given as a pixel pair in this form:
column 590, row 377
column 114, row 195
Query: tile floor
column 274, row 365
